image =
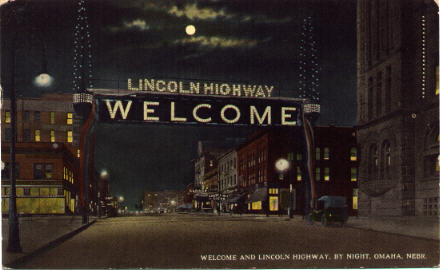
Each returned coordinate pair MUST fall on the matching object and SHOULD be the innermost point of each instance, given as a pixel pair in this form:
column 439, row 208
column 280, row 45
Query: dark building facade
column 268, row 189
column 397, row 107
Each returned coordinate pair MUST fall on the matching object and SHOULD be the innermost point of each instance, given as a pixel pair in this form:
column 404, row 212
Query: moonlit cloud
column 219, row 42
column 192, row 12
column 134, row 24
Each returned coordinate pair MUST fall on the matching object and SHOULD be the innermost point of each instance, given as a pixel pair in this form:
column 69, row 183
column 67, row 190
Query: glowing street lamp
column 282, row 165
column 121, row 198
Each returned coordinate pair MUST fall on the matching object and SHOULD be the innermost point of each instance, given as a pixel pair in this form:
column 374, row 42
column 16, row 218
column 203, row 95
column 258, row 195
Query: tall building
column 397, row 107
column 46, row 155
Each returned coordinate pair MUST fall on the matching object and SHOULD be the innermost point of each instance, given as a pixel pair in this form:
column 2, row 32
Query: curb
column 16, row 263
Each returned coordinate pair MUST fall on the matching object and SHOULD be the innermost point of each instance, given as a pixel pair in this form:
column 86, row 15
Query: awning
column 259, row 195
column 235, row 198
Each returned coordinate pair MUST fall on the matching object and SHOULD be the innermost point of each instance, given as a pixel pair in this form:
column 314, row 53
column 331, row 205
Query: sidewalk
column 423, row 227
column 37, row 232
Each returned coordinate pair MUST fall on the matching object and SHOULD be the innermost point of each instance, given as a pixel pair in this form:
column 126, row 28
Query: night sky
column 245, row 41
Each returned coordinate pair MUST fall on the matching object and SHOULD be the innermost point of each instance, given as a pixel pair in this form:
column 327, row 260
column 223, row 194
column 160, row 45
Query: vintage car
column 330, row 209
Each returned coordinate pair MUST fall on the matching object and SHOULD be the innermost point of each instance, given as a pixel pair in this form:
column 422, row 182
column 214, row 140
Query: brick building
column 46, row 178
column 268, row 189
column 47, row 154
column 397, row 117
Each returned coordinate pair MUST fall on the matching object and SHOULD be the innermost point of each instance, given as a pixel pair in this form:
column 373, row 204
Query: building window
column 387, row 158
column 27, row 135
column 317, row 174
column 436, row 81
column 273, row 190
column 256, row 205
column 326, row 153
column 27, row 192
column 379, row 94
column 373, row 163
column 431, row 165
column 37, row 135
column 317, row 153
column 37, row 116
column 355, row 199
column 7, row 117
column 326, row 174
column 69, row 136
column 353, row 173
column 273, row 203
column 290, row 156
column 8, row 134
column 52, row 117
column 388, row 90
column 430, row 206
column 69, row 118
column 78, row 153
column 353, row 154
column 38, row 171
column 370, row 98
column 298, row 156
column 280, row 176
column 43, row 171
column 52, row 136
column 26, row 116
column 298, row 174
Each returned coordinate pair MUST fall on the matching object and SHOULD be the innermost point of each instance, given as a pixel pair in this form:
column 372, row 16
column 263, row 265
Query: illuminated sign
column 200, row 88
column 193, row 109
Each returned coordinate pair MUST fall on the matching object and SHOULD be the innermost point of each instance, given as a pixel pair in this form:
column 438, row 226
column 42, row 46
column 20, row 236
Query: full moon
column 43, row 80
column 190, row 30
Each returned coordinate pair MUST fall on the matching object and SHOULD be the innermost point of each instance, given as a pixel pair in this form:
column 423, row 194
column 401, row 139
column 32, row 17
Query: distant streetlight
column 121, row 198
column 104, row 174
column 173, row 202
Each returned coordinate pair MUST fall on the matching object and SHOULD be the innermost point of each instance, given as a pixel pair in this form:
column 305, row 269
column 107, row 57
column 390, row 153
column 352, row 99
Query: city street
column 207, row 241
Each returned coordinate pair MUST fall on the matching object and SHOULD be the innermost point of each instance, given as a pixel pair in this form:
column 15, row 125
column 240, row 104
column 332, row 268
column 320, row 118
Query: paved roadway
column 180, row 241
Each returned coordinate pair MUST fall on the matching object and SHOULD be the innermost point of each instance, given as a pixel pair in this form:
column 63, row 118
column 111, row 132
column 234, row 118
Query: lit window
column 353, row 154
column 256, row 205
column 436, row 81
column 326, row 153
column 48, row 171
column 52, row 136
column 355, row 199
column 7, row 117
column 317, row 153
column 37, row 135
column 298, row 156
column 273, row 191
column 318, row 174
column 353, row 172
column 69, row 136
column 273, row 203
column 52, row 117
column 280, row 176
column 78, row 153
column 326, row 174
column 298, row 174
column 69, row 118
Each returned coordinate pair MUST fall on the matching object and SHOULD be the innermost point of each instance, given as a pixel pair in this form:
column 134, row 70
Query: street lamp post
column 282, row 165
column 45, row 80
